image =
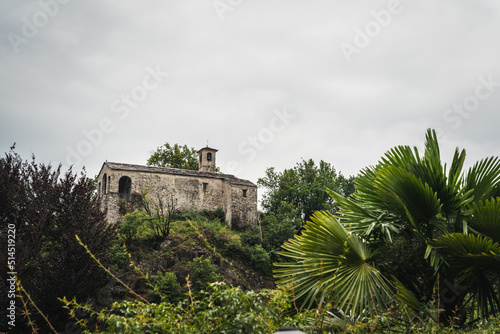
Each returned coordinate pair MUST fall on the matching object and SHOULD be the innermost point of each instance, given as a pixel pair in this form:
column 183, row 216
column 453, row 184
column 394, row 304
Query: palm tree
column 413, row 231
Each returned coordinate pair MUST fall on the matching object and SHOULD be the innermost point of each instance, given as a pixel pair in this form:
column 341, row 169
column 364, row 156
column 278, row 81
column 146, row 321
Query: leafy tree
column 278, row 227
column 413, row 231
column 176, row 156
column 47, row 209
column 304, row 187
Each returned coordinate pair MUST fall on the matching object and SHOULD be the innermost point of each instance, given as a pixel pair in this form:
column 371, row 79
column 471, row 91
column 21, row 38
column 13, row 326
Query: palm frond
column 485, row 218
column 484, row 178
column 332, row 263
column 477, row 260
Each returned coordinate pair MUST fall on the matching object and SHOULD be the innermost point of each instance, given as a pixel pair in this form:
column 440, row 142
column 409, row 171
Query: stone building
column 121, row 184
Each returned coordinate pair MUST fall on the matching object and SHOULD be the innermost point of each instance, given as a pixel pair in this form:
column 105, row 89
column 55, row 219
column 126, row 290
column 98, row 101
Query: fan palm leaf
column 484, row 218
column 332, row 263
column 476, row 259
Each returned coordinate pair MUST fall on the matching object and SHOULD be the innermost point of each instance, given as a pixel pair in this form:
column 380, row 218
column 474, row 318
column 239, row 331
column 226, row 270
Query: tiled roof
column 185, row 172
column 208, row 148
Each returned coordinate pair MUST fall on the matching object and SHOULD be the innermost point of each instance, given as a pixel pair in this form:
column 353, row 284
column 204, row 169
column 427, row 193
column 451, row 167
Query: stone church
column 120, row 183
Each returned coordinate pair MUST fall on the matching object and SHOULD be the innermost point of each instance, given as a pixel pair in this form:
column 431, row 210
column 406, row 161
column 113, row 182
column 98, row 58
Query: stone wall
column 243, row 206
column 190, row 192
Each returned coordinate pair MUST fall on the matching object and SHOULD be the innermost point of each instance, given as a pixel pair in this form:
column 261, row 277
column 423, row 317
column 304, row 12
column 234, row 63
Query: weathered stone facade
column 198, row 190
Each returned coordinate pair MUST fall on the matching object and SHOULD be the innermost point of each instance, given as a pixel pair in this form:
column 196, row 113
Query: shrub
column 202, row 272
column 131, row 224
column 118, row 254
column 259, row 258
column 165, row 288
column 222, row 309
column 250, row 237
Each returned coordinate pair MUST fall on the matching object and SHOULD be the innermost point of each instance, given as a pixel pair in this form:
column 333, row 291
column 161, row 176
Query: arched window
column 124, row 187
column 104, row 180
column 209, row 156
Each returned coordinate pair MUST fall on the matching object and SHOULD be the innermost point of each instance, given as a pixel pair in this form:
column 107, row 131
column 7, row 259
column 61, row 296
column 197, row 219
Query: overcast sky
column 265, row 82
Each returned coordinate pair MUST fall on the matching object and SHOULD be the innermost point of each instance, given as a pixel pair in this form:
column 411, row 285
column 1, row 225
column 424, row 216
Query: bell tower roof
column 207, row 149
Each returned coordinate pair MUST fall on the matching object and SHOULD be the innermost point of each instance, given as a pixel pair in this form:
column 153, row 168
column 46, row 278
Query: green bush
column 259, row 259
column 250, row 237
column 165, row 289
column 119, row 255
column 222, row 309
column 131, row 224
column 220, row 214
column 217, row 214
column 202, row 272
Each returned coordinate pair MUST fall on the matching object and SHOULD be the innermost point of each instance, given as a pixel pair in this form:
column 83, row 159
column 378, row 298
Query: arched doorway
column 124, row 187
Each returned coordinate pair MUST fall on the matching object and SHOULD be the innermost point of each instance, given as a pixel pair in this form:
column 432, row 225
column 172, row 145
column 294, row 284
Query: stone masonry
column 197, row 190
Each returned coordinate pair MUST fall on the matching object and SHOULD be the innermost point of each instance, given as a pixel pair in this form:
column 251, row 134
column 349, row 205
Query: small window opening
column 99, row 190
column 205, row 186
column 104, row 183
column 124, row 187
column 244, row 193
column 209, row 156
column 200, row 157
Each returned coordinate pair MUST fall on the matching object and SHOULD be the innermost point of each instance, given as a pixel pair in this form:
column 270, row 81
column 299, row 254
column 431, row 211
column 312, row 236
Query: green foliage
column 304, row 187
column 160, row 210
column 217, row 214
column 250, row 237
column 124, row 206
column 222, row 309
column 217, row 234
column 131, row 224
column 175, row 156
column 118, row 254
column 202, row 272
column 278, row 227
column 428, row 233
column 165, row 289
column 259, row 258
column 333, row 265
column 46, row 208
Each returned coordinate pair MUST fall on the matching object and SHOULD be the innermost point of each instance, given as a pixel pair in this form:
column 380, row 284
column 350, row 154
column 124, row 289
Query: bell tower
column 207, row 159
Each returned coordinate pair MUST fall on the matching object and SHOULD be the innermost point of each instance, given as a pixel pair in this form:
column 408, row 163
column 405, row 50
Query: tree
column 360, row 261
column 278, row 227
column 46, row 209
column 304, row 187
column 176, row 156
column 160, row 211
